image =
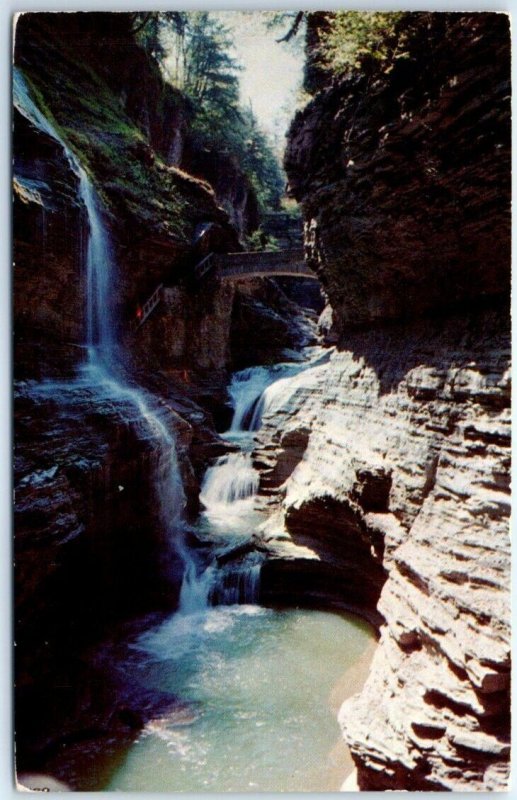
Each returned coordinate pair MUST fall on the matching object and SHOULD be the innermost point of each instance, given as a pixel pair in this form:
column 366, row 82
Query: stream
column 254, row 682
column 257, row 683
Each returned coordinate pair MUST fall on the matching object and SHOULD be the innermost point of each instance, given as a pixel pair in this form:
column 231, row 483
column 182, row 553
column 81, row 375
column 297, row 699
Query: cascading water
column 253, row 682
column 253, row 389
column 232, row 479
column 100, row 335
column 230, row 486
column 228, row 494
column 247, row 389
column 103, row 373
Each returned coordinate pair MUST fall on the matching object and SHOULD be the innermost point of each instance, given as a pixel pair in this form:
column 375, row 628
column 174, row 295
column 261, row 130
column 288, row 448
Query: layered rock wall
column 403, row 175
column 402, row 485
column 49, row 226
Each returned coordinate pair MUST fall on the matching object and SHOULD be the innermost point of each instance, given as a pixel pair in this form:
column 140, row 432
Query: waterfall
column 241, row 585
column 196, row 589
column 230, row 487
column 254, row 389
column 245, row 390
column 232, row 478
column 103, row 372
column 104, row 368
column 100, row 334
column 227, row 494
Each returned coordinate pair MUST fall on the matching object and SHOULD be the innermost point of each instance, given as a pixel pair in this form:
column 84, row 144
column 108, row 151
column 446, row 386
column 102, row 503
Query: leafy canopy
column 353, row 35
column 194, row 51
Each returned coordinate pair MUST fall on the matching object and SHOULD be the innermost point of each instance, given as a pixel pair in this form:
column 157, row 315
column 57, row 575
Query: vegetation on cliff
column 384, row 464
column 403, row 164
column 337, row 42
column 64, row 62
column 351, row 37
column 194, row 52
column 110, row 93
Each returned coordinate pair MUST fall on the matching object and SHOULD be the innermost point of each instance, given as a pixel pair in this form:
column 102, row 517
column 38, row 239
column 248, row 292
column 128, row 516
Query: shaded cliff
column 404, row 173
column 90, row 544
column 402, row 442
column 153, row 208
column 129, row 129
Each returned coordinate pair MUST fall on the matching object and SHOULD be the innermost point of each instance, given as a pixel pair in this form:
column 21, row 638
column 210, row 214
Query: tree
column 353, row 36
column 194, row 51
column 291, row 22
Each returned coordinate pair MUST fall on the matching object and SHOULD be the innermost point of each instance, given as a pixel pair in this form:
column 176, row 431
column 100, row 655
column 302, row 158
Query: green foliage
column 195, row 54
column 237, row 134
column 353, row 36
column 259, row 240
column 288, row 24
column 107, row 142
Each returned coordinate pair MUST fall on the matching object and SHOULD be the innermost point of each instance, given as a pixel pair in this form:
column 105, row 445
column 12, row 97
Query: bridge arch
column 232, row 266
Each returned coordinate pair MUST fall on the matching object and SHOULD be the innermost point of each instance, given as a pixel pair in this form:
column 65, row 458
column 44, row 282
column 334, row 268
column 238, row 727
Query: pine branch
column 293, row 30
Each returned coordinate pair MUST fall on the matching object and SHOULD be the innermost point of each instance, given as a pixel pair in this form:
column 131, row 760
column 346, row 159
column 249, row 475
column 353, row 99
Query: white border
column 7, row 9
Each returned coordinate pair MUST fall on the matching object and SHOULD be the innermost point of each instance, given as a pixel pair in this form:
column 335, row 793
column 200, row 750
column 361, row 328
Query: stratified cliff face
column 404, row 174
column 396, row 460
column 402, row 442
column 91, row 545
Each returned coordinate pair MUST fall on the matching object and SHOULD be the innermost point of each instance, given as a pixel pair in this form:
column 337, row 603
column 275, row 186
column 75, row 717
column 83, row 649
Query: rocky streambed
column 159, row 703
column 376, row 484
column 395, row 466
column 375, row 479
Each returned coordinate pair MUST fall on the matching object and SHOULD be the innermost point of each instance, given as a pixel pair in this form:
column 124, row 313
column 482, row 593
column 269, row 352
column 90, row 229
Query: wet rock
column 265, row 323
column 79, row 722
column 399, row 506
column 48, row 226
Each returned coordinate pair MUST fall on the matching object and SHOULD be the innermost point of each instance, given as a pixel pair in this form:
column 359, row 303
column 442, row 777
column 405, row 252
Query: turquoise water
column 256, row 685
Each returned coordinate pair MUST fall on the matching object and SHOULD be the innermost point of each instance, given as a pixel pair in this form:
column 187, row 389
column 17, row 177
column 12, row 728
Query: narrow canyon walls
column 403, row 176
column 404, row 173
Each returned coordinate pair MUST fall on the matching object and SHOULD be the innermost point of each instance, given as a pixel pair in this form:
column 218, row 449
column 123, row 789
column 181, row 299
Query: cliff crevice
column 403, row 176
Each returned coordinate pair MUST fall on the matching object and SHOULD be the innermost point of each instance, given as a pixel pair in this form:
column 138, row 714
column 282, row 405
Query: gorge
column 217, row 508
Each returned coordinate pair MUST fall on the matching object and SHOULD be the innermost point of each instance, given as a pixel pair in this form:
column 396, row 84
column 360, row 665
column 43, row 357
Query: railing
column 296, row 270
column 254, row 264
column 204, row 267
column 143, row 312
column 263, row 264
column 236, row 265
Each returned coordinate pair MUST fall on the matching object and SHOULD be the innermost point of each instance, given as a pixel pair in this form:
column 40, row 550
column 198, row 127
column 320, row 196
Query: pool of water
column 257, row 686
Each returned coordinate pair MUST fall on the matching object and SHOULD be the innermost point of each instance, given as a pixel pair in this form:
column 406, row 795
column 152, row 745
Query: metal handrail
column 147, row 308
column 204, row 266
column 228, row 266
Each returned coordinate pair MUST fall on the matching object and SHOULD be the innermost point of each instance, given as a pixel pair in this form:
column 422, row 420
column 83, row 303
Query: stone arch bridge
column 233, row 266
column 237, row 266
